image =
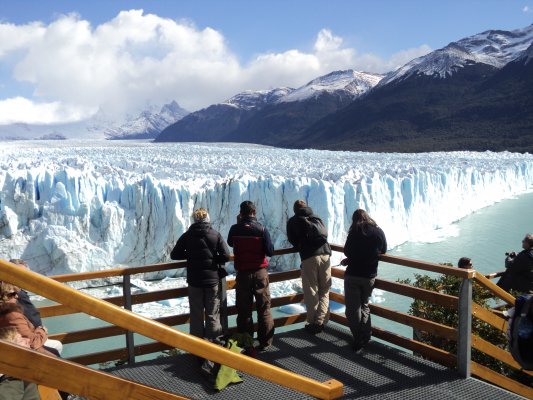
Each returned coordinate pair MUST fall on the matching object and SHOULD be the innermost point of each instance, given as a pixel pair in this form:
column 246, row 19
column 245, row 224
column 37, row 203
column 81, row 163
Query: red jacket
column 249, row 253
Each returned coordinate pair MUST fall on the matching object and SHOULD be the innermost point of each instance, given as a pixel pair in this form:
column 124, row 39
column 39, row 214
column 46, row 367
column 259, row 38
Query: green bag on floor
column 227, row 375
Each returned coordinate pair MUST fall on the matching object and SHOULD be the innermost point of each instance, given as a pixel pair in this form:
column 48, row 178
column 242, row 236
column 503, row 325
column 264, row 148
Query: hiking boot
column 313, row 329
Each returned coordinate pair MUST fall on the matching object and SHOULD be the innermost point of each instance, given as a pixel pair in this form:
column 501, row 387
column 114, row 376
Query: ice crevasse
column 78, row 207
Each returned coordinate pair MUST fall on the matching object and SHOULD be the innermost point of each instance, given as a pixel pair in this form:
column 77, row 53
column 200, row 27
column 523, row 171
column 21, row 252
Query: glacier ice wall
column 79, row 206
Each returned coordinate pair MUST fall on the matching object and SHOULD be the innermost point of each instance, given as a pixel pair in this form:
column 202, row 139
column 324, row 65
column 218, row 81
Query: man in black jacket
column 519, row 268
column 205, row 251
column 307, row 233
column 251, row 246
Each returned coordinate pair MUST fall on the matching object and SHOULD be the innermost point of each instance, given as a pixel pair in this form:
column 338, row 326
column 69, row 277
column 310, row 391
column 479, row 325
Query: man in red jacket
column 251, row 245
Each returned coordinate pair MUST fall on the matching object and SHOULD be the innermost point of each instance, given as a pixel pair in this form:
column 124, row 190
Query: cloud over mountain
column 69, row 69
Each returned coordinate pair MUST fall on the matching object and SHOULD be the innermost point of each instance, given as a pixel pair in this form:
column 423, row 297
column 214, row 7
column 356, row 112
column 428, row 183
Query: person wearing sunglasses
column 11, row 314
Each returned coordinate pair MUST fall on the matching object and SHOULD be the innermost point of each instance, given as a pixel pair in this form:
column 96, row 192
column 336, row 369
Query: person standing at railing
column 251, row 246
column 365, row 242
column 518, row 273
column 307, row 233
column 13, row 388
column 205, row 251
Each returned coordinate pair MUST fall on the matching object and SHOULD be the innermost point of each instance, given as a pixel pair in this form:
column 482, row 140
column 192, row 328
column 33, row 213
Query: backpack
column 316, row 234
column 520, row 331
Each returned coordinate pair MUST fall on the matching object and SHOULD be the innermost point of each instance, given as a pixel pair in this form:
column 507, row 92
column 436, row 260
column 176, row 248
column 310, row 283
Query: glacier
column 75, row 206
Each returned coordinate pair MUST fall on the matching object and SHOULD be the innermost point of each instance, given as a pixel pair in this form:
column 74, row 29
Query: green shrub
column 450, row 285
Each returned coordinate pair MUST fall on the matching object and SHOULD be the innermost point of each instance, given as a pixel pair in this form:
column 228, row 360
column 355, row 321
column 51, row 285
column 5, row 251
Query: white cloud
column 527, row 9
column 138, row 58
column 19, row 109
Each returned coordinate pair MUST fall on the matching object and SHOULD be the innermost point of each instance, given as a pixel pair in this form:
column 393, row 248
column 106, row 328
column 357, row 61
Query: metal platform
column 379, row 372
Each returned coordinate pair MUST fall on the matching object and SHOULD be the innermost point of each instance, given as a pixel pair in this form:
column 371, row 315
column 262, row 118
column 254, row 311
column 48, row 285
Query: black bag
column 316, row 234
column 521, row 331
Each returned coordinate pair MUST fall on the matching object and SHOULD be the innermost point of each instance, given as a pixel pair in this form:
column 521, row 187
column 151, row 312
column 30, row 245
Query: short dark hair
column 247, row 208
column 464, row 262
column 529, row 239
column 299, row 204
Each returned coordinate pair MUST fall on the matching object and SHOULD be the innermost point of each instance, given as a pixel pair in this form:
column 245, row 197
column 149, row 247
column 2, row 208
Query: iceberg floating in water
column 81, row 206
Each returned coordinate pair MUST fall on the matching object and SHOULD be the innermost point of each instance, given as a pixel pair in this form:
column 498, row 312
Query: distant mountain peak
column 351, row 82
column 494, row 47
column 148, row 124
column 250, row 99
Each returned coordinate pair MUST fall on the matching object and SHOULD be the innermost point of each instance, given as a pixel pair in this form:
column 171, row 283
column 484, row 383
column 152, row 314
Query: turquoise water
column 484, row 236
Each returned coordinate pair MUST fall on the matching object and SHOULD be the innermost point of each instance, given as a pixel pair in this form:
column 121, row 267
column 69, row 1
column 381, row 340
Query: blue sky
column 63, row 60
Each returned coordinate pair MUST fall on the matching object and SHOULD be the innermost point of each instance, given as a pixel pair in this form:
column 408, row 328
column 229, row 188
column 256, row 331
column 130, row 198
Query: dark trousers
column 205, row 305
column 357, row 293
column 250, row 285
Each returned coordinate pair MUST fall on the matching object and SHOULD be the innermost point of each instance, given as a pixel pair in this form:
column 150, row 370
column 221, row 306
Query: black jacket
column 519, row 272
column 296, row 234
column 204, row 249
column 29, row 309
column 363, row 251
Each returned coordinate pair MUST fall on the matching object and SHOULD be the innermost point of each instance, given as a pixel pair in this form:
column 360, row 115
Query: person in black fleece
column 365, row 242
column 205, row 252
column 518, row 273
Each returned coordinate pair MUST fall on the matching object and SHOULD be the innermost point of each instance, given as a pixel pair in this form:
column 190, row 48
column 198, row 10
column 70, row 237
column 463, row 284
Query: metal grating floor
column 379, row 372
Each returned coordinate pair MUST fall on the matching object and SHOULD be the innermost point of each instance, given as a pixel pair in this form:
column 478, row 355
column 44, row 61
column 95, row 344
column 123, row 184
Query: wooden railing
column 462, row 334
column 163, row 333
column 71, row 377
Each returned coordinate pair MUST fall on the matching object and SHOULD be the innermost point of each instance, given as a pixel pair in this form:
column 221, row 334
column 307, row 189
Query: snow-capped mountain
column 262, row 115
column 249, row 99
column 349, row 82
column 494, row 47
column 148, row 124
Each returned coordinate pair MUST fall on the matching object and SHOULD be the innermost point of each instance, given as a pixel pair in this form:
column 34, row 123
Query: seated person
column 518, row 273
column 24, row 299
column 11, row 314
column 31, row 312
column 13, row 388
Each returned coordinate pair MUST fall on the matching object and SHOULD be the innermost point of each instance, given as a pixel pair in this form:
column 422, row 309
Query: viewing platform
column 298, row 365
column 378, row 372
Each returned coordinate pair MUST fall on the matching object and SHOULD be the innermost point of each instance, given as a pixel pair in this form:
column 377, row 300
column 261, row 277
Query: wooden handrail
column 162, row 333
column 442, row 299
column 502, row 381
column 495, row 289
column 489, row 317
column 73, row 378
column 114, row 272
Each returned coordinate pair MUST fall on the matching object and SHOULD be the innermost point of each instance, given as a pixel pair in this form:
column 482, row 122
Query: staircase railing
column 128, row 320
column 70, row 377
column 462, row 304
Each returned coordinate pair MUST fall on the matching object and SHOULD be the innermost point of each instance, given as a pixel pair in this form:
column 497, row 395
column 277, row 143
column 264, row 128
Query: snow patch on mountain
column 495, row 48
column 148, row 124
column 350, row 82
column 250, row 99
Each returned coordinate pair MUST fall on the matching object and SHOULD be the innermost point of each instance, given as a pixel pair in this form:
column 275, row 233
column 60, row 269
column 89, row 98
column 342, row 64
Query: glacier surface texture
column 73, row 206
